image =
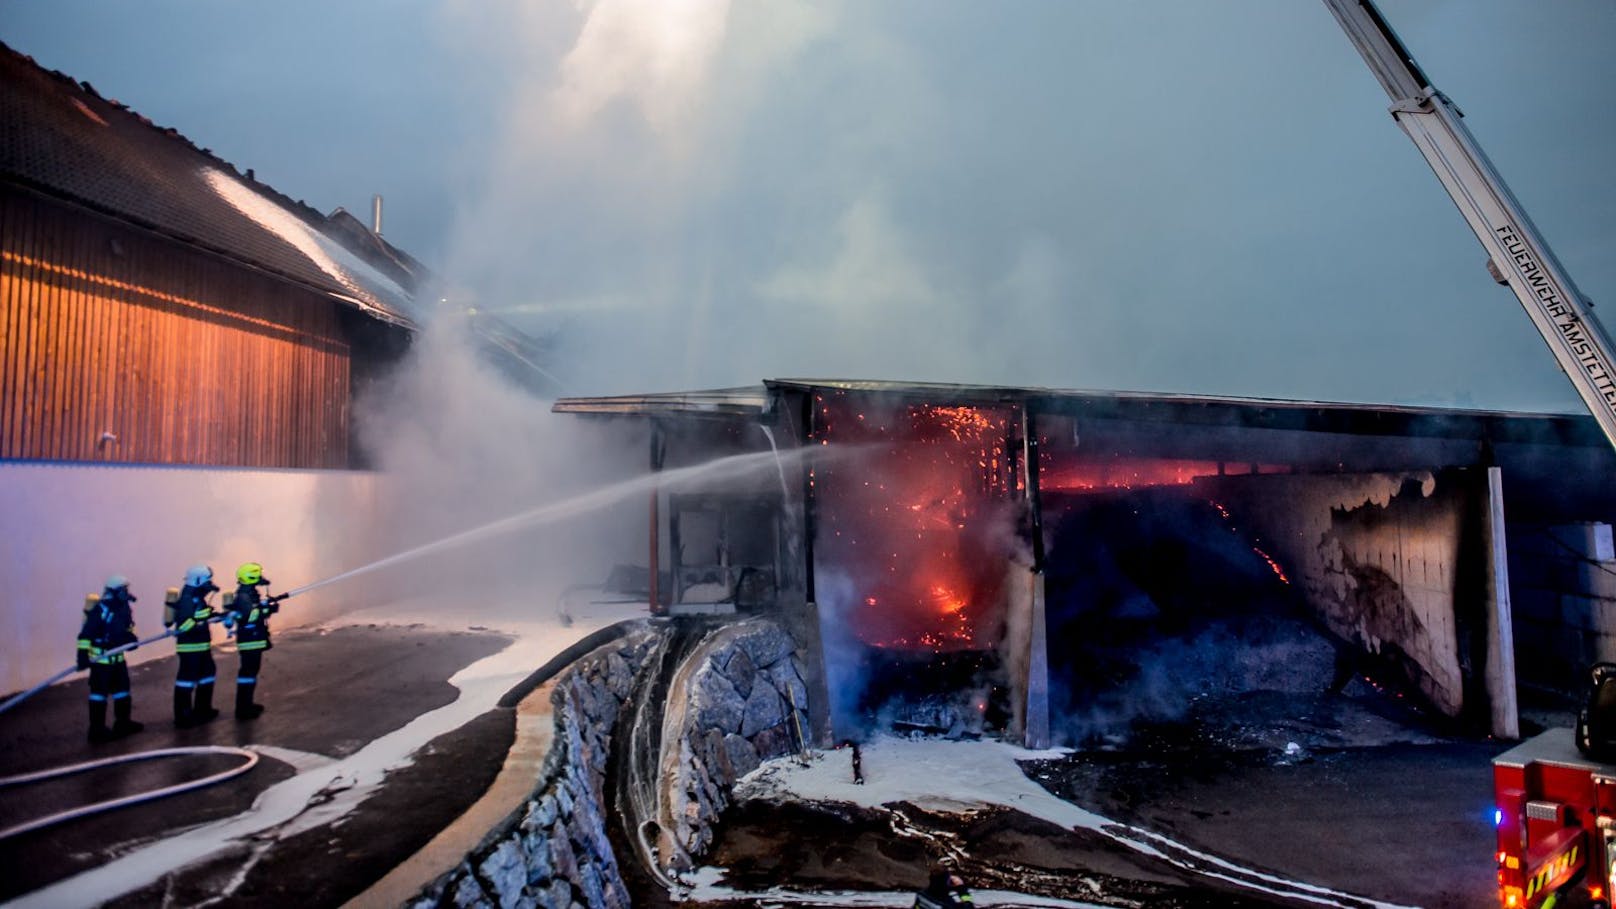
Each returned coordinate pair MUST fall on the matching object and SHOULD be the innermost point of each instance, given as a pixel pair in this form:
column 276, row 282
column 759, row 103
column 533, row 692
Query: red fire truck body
column 1556, row 818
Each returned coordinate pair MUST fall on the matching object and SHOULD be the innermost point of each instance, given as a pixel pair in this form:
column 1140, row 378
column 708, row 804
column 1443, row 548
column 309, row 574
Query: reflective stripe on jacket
column 192, row 633
column 251, row 615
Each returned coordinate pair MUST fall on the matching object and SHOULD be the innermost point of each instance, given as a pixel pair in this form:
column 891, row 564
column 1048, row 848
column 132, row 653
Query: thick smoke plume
column 461, row 445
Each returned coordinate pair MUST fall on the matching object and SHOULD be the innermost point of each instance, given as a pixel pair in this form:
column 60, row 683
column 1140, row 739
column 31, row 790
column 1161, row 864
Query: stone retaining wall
column 553, row 851
column 737, row 700
column 745, row 702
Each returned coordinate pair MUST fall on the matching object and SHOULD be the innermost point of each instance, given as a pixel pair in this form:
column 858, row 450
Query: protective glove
column 84, row 659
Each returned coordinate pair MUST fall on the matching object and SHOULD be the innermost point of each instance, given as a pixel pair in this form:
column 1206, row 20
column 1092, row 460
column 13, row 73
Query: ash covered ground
column 1254, row 798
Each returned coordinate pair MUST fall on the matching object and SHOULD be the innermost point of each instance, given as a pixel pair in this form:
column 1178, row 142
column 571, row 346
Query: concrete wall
column 1393, row 564
column 66, row 527
column 1563, row 581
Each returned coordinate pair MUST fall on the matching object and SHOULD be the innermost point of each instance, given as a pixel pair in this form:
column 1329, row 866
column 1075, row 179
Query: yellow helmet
column 250, row 573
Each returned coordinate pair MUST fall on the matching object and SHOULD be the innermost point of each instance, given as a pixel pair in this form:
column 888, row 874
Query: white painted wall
column 65, row 527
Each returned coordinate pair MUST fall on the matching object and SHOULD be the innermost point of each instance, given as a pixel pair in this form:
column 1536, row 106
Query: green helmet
column 250, row 574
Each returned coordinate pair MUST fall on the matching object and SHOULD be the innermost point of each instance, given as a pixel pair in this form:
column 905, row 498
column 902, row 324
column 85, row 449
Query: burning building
column 1013, row 559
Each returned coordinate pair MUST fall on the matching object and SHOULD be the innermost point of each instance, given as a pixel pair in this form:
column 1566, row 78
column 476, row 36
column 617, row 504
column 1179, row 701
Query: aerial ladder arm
column 1518, row 255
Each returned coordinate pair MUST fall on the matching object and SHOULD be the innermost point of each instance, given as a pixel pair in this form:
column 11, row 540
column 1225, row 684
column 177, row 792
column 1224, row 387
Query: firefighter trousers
column 193, row 689
column 252, row 662
column 108, row 682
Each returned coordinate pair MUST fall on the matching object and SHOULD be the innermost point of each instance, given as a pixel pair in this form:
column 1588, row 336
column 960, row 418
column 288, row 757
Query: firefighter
column 943, row 890
column 193, row 635
column 248, row 617
column 108, row 624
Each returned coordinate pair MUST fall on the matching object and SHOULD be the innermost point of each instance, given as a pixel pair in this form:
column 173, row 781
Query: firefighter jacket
column 249, row 614
column 108, row 625
column 192, row 633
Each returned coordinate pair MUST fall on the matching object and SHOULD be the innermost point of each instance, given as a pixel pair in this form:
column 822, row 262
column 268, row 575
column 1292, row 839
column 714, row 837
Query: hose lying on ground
column 569, row 655
column 98, row 807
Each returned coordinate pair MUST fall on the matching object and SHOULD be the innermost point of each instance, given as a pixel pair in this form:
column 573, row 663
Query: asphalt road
column 328, row 693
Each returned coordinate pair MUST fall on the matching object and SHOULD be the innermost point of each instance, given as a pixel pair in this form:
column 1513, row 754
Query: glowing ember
column 1278, row 571
column 919, row 521
column 1064, row 472
column 1273, row 564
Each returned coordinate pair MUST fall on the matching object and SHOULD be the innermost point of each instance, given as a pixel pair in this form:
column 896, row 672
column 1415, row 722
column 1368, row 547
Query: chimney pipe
column 376, row 214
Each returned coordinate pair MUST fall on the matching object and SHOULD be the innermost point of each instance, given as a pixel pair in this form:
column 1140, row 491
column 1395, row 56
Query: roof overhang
column 1145, row 407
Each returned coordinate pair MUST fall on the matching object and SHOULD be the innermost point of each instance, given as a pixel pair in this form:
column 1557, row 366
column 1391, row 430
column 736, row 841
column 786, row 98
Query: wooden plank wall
column 182, row 357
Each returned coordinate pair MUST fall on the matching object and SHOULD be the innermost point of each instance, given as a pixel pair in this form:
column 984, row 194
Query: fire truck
column 1556, row 819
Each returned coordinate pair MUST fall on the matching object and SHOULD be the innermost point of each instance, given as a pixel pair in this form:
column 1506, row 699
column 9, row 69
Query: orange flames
column 916, row 519
column 1066, row 474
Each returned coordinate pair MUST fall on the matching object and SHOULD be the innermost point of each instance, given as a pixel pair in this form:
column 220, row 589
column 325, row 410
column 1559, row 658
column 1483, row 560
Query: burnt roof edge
column 1151, row 407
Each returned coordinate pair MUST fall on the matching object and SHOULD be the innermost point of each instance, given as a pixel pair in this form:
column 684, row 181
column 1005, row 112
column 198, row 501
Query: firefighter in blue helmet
column 108, row 624
column 248, row 615
column 193, row 686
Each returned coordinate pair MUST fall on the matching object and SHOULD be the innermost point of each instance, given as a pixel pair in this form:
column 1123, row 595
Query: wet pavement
column 329, row 692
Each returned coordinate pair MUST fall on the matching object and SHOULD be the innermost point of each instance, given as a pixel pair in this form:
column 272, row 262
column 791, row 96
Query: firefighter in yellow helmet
column 248, row 614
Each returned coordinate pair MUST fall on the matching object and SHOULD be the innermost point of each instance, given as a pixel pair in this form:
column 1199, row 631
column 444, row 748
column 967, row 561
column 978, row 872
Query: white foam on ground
column 298, row 760
column 706, row 885
column 341, row 785
column 961, row 776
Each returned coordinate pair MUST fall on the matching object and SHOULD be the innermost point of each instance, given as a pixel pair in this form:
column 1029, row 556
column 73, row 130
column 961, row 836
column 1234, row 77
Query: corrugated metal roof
column 61, row 139
column 1153, row 407
column 990, row 393
column 746, row 401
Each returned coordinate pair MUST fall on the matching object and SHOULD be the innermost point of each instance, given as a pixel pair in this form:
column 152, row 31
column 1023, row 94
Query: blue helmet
column 198, row 575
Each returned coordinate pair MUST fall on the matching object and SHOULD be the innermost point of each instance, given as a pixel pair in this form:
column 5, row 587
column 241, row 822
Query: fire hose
column 71, row 769
column 18, row 698
column 109, row 804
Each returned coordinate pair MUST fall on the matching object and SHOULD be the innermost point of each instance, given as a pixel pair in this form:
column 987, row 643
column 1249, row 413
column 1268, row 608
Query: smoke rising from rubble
column 1170, row 676
column 845, row 672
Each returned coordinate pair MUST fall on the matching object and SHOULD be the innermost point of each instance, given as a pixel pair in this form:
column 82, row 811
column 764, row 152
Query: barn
column 181, row 351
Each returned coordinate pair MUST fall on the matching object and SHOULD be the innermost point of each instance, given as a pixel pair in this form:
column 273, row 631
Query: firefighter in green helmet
column 248, row 614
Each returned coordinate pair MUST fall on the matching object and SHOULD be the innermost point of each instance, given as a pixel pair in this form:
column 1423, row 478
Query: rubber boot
column 204, row 703
column 245, row 708
column 98, row 722
column 123, row 725
column 182, row 707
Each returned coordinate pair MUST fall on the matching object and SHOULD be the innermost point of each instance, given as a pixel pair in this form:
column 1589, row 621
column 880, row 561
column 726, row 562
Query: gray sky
column 1167, row 195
